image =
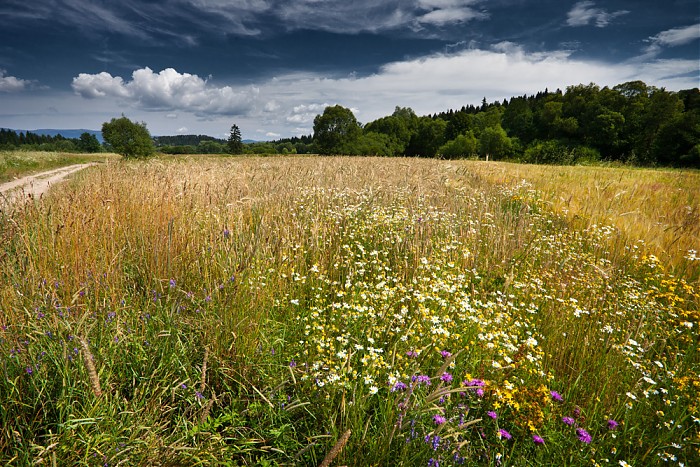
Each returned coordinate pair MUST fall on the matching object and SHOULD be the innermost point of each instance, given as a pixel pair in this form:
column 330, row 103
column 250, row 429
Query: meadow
column 352, row 311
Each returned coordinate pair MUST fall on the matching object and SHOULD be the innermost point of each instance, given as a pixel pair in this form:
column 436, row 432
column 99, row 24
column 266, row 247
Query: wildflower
column 612, row 424
column 474, row 382
column 480, row 392
column 183, row 386
column 412, row 354
column 292, row 364
column 172, row 283
column 556, row 396
column 492, row 414
column 29, row 370
column 227, row 233
column 446, row 377
column 624, row 464
column 199, row 395
column 583, row 436
column 445, row 354
column 568, row 420
column 373, row 390
column 421, row 379
column 439, row 419
column 433, row 463
column 504, row 434
column 537, row 439
column 399, row 386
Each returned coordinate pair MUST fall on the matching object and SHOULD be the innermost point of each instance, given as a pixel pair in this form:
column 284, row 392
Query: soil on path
column 33, row 186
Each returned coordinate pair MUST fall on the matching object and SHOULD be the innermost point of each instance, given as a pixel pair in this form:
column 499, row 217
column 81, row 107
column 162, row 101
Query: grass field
column 352, row 311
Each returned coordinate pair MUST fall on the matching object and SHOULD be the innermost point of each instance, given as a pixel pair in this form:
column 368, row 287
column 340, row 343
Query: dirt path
column 36, row 185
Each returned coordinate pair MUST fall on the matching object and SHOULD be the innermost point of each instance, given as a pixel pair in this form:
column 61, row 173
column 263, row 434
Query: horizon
column 187, row 67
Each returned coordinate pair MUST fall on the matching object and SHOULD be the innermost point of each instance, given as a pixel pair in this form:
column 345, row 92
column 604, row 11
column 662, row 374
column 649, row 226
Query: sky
column 271, row 66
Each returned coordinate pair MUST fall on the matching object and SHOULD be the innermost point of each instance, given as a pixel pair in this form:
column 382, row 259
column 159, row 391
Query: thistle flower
column 446, row 377
column 492, row 414
column 537, row 439
column 556, row 396
column 568, row 420
column 439, row 419
column 504, row 434
column 612, row 424
column 583, row 436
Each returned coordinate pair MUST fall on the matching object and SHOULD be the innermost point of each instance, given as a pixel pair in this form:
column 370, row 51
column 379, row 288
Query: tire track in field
column 33, row 186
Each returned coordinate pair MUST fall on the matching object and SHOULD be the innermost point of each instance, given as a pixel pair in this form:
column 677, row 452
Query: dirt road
column 35, row 185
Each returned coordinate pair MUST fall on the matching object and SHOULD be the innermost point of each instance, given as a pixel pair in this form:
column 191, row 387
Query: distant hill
column 65, row 133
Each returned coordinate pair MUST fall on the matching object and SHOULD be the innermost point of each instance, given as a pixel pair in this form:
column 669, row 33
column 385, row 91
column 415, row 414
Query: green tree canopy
column 336, row 130
column 89, row 143
column 128, row 138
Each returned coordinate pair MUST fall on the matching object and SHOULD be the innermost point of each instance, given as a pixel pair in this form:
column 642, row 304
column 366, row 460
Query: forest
column 631, row 123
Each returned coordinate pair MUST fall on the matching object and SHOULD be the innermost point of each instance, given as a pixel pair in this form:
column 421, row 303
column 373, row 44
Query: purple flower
column 504, row 434
column 433, row 463
column 445, row 354
column 537, row 439
column 421, row 379
column 577, row 412
column 183, row 386
column 474, row 382
column 583, row 436
column 412, row 354
column 439, row 419
column 400, row 386
column 29, row 370
column 172, row 283
column 492, row 414
column 612, row 424
column 556, row 396
column 446, row 377
column 199, row 395
column 568, row 420
column 480, row 392
column 227, row 233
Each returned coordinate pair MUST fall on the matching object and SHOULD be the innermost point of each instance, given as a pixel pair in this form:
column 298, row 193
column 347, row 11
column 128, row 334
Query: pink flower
column 537, row 439
column 504, row 434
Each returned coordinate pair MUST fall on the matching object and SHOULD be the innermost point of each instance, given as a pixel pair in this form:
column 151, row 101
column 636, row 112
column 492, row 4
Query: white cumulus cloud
column 12, row 84
column 168, row 90
column 585, row 12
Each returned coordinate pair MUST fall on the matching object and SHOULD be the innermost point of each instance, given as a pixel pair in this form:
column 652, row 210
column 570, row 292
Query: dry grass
column 659, row 207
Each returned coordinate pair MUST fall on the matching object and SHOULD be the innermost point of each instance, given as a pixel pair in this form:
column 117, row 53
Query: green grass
column 253, row 311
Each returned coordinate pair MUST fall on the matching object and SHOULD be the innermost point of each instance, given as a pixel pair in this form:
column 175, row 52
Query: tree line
column 632, row 122
column 11, row 140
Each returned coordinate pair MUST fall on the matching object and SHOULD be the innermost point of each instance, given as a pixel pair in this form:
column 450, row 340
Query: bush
column 462, row 146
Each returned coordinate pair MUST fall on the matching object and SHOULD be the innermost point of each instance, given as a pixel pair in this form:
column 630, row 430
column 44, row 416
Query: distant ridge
column 66, row 133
